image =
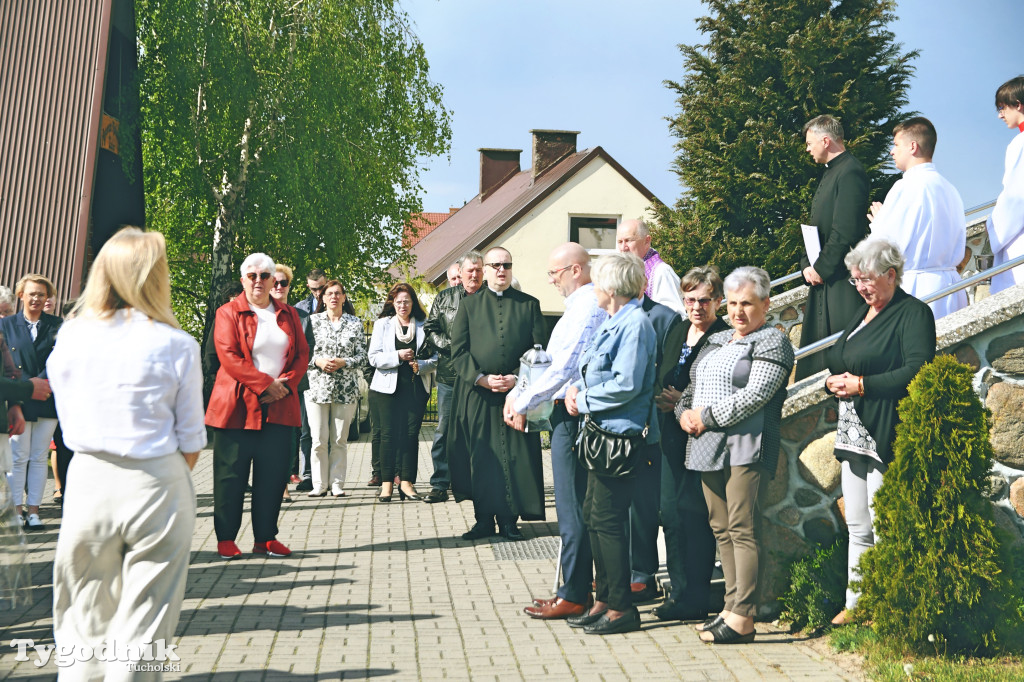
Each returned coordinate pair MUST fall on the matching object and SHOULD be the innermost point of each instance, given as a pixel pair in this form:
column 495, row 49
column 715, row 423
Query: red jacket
column 234, row 402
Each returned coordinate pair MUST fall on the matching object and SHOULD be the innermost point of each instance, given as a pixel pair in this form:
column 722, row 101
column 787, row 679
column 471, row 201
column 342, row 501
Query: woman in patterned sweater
column 737, row 391
column 339, row 352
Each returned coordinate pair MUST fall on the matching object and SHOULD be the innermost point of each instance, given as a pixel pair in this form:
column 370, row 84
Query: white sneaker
column 33, row 522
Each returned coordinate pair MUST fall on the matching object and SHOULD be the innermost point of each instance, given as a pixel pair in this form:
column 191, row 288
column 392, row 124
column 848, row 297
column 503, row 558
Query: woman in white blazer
column 400, row 388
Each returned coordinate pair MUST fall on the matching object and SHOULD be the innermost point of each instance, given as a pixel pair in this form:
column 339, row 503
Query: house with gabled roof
column 566, row 195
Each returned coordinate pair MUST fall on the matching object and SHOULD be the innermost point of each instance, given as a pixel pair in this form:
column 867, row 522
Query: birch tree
column 293, row 127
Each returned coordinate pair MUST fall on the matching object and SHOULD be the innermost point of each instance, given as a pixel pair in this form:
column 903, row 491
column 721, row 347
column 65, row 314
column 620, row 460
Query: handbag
column 607, row 453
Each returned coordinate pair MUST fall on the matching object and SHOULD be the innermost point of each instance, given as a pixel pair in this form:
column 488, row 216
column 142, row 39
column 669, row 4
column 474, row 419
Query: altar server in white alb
column 129, row 392
column 1006, row 224
column 923, row 214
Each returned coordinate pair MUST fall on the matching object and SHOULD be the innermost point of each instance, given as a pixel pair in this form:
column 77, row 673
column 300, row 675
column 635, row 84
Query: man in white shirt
column 923, row 214
column 569, row 272
column 1006, row 224
column 633, row 236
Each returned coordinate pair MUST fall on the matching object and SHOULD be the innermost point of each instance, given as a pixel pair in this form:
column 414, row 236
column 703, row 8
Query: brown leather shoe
column 558, row 609
column 373, row 482
column 544, row 602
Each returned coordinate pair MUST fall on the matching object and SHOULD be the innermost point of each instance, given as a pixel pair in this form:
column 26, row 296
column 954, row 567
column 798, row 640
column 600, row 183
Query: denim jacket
column 617, row 386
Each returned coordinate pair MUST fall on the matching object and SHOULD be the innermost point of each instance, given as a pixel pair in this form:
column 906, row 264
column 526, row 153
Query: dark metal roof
column 480, row 222
column 53, row 59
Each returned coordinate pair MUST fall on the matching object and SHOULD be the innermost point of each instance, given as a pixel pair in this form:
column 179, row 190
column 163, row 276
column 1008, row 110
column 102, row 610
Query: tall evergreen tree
column 294, row 128
column 768, row 67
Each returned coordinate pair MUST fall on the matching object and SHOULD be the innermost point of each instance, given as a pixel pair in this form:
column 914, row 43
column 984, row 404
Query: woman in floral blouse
column 333, row 387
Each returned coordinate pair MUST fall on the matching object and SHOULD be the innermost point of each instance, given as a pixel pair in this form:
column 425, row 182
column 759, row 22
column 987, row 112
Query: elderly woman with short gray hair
column 732, row 410
column 616, row 392
column 881, row 350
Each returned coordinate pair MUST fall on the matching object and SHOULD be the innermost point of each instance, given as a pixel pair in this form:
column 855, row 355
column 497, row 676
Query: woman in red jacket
column 263, row 355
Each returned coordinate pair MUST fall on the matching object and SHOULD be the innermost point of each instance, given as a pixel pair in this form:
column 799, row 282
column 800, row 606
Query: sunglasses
column 281, row 283
column 499, row 266
column 264, row 276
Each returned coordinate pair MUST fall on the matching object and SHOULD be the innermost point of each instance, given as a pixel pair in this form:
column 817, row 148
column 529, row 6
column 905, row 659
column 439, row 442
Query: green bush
column 817, row 587
column 939, row 578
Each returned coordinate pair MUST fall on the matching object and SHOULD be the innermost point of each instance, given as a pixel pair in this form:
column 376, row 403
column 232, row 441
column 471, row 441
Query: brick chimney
column 496, row 167
column 550, row 147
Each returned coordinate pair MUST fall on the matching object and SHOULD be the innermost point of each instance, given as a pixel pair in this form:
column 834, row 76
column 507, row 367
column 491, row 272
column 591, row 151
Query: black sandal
column 709, row 623
column 723, row 634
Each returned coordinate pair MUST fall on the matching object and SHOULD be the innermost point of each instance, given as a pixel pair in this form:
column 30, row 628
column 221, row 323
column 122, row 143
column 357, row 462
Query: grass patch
column 886, row 662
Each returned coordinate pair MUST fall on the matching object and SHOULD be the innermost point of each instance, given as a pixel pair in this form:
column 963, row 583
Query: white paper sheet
column 811, row 242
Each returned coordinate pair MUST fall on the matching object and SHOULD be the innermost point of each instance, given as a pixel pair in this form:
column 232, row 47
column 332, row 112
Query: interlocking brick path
column 391, row 591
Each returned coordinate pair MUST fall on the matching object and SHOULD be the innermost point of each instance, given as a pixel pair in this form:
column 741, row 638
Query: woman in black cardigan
column 879, row 354
column 689, row 543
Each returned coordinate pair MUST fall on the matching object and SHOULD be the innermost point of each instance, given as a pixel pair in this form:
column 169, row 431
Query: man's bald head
column 633, row 236
column 568, row 267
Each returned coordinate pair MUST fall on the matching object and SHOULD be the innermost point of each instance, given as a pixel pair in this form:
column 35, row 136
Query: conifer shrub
column 939, row 578
column 817, row 587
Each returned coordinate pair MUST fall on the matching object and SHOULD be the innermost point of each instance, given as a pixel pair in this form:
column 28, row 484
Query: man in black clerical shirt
column 839, row 212
column 492, row 464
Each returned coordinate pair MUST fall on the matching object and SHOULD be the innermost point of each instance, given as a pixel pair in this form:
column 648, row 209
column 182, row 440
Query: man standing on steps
column 569, row 272
column 839, row 212
column 1006, row 224
column 469, row 276
column 315, row 281
column 923, row 214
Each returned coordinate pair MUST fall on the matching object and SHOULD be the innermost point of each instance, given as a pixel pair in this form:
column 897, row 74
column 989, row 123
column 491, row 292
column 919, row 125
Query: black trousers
column 64, row 455
column 689, row 542
column 606, row 513
column 400, row 415
column 235, row 452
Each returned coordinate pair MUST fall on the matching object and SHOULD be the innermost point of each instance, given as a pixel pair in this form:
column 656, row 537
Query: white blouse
column 270, row 347
column 127, row 386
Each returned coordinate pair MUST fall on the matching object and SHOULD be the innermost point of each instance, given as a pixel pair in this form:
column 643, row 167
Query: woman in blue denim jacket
column 617, row 391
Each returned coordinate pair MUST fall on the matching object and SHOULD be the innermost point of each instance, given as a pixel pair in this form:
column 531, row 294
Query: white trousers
column 327, row 464
column 122, row 558
column 862, row 477
column 5, row 456
column 30, row 453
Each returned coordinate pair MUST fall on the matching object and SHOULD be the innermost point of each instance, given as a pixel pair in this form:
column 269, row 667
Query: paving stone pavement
column 391, row 591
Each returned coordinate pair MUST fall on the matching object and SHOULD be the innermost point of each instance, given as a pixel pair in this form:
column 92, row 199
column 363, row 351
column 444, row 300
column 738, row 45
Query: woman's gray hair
column 261, row 262
column 619, row 274
column 748, row 274
column 874, row 256
column 7, row 296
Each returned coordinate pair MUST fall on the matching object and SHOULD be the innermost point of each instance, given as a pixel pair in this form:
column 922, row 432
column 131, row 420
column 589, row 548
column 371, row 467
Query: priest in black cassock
column 840, row 212
column 492, row 464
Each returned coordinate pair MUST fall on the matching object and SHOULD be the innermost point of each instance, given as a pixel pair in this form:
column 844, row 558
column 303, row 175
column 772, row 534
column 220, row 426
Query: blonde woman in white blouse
column 129, row 393
column 340, row 351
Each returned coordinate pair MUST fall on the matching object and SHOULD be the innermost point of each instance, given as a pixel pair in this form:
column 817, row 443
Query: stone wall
column 804, row 505
column 787, row 310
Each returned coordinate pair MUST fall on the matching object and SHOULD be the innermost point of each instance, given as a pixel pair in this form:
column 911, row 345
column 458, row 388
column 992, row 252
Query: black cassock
column 839, row 211
column 492, row 464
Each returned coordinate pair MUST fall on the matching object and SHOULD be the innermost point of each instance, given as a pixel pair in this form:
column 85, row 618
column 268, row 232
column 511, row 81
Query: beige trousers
column 122, row 558
column 731, row 495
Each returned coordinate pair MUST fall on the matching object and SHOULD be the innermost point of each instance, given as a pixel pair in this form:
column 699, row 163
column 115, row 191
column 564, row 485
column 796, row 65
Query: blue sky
column 598, row 66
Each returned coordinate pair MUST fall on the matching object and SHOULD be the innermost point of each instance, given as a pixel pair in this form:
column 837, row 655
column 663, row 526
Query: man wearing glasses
column 492, row 464
column 315, row 281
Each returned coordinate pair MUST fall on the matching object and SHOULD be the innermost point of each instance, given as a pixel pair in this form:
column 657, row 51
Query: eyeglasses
column 861, row 280
column 552, row 273
column 690, row 302
column 499, row 266
column 281, row 283
column 316, row 290
column 264, row 276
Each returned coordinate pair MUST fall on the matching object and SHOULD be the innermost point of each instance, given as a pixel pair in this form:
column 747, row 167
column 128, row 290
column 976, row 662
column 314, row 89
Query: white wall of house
column 596, row 190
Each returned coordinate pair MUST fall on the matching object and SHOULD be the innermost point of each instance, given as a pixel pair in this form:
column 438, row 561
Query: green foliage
column 817, row 587
column 767, row 68
column 293, row 128
column 939, row 578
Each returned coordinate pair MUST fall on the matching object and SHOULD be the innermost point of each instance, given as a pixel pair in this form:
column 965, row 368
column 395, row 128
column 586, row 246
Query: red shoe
column 295, row 479
column 228, row 549
column 271, row 548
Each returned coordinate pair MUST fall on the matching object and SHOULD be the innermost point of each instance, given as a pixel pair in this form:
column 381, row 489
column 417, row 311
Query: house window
column 596, row 235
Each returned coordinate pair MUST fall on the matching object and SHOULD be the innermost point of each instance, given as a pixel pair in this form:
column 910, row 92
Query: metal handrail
column 828, row 341
column 799, row 273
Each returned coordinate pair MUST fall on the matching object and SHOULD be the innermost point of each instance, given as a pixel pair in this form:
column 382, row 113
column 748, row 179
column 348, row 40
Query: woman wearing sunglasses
column 254, row 407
